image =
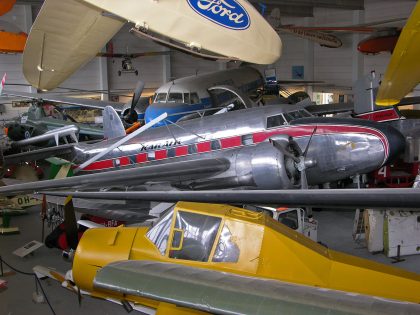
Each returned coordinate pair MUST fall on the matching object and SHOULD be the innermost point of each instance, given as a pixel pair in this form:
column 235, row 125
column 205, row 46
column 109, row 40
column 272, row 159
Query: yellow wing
column 403, row 72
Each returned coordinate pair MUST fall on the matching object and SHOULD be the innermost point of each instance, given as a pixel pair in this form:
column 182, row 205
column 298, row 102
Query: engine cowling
column 264, row 167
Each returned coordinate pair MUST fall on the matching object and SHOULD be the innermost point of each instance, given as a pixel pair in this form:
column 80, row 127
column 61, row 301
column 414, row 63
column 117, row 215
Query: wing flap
column 64, row 36
column 226, row 293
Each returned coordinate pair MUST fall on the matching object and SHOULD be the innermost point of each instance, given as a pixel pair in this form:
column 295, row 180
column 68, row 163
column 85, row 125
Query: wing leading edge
column 406, row 198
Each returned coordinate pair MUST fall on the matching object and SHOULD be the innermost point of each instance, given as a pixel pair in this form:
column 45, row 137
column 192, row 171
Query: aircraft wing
column 132, row 176
column 53, row 98
column 39, row 154
column 403, row 72
column 65, row 36
column 407, row 198
column 226, row 293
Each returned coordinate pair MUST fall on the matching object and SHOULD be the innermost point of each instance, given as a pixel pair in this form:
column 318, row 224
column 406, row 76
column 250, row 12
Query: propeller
column 132, row 116
column 292, row 150
column 70, row 223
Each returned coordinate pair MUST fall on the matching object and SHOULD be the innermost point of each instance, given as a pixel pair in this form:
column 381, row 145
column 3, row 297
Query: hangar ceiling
column 299, row 8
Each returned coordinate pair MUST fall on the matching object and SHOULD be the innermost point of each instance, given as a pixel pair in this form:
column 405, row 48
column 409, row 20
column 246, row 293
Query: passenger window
column 226, row 250
column 215, row 145
column 275, row 121
column 194, row 236
column 292, row 116
column 175, row 98
column 247, row 139
column 194, row 98
column 192, row 149
column 187, row 98
column 160, row 98
column 159, row 234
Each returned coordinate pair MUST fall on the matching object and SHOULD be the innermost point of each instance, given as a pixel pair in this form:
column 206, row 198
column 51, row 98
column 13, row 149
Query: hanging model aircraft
column 12, row 40
column 200, row 25
column 219, row 259
column 382, row 38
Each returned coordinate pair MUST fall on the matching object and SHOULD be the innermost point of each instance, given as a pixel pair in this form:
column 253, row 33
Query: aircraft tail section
column 113, row 126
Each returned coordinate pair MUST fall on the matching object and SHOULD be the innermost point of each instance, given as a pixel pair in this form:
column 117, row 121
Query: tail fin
column 274, row 19
column 3, row 82
column 113, row 126
column 365, row 90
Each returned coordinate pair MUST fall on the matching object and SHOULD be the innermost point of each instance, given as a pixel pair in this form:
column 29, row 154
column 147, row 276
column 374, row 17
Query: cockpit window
column 187, row 98
column 305, row 113
column 194, row 98
column 160, row 98
column 159, row 233
column 194, row 235
column 226, row 250
column 275, row 121
column 175, row 98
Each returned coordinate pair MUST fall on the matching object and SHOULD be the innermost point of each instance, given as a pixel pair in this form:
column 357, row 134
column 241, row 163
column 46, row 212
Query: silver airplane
column 263, row 148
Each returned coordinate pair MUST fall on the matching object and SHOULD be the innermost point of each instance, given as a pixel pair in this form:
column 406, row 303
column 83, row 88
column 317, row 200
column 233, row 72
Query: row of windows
column 187, row 98
column 286, row 118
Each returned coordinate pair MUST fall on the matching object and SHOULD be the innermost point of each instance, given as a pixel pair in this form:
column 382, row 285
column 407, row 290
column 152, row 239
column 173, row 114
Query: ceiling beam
column 334, row 4
column 286, row 10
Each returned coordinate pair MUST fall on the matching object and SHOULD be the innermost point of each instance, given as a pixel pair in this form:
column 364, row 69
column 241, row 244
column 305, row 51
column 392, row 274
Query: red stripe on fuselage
column 236, row 141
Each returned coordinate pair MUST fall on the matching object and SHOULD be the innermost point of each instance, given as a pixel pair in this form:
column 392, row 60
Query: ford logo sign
column 227, row 13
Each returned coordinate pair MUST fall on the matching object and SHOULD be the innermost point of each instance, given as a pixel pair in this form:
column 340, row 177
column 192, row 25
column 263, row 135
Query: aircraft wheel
column 136, row 72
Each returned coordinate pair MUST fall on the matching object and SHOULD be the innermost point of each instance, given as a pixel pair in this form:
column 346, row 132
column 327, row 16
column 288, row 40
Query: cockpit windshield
column 296, row 114
column 160, row 98
column 175, row 98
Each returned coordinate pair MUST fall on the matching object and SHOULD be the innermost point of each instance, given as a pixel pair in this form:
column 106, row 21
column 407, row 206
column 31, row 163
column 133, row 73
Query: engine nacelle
column 263, row 166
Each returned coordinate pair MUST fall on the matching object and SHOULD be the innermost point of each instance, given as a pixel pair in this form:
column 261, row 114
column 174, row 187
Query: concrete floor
column 334, row 230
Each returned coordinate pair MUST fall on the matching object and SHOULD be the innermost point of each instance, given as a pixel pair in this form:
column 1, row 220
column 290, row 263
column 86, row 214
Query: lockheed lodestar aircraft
column 270, row 147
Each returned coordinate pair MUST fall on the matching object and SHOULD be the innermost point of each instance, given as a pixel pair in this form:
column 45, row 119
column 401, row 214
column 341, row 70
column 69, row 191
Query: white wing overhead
column 231, row 28
column 65, row 35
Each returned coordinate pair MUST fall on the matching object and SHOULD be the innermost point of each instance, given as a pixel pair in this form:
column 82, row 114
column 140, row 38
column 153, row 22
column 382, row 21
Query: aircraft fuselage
column 339, row 148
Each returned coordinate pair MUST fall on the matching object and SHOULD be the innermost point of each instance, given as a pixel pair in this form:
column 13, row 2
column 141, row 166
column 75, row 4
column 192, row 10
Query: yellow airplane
column 207, row 258
column 403, row 71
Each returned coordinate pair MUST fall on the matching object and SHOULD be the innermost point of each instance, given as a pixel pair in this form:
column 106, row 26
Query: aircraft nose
column 395, row 139
column 156, row 109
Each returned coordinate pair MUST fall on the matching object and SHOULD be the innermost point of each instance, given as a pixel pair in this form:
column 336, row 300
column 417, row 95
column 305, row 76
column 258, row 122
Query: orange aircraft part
column 12, row 42
column 6, row 6
column 376, row 45
column 134, row 127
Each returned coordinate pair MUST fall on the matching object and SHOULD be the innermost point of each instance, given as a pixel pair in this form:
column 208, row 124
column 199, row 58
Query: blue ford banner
column 227, row 13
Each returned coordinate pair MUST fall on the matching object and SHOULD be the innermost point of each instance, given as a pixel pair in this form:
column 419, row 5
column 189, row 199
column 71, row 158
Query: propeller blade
column 70, row 223
column 309, row 142
column 132, row 116
column 122, row 141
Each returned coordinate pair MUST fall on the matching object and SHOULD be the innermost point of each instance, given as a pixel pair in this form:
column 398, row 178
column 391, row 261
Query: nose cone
column 396, row 141
column 172, row 109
